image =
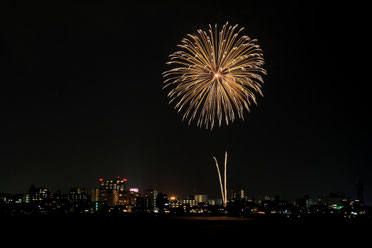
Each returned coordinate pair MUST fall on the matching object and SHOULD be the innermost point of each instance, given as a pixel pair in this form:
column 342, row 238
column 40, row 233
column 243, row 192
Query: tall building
column 77, row 195
column 236, row 194
column 150, row 199
column 94, row 195
column 162, row 204
column 38, row 194
column 112, row 191
column 40, row 199
column 132, row 198
column 219, row 202
column 191, row 203
column 304, row 202
column 201, row 198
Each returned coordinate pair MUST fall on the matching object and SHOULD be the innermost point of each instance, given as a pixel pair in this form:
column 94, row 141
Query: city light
column 112, row 197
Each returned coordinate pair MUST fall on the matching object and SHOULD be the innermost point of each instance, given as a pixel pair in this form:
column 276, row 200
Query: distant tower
column 360, row 189
column 150, row 198
column 112, row 191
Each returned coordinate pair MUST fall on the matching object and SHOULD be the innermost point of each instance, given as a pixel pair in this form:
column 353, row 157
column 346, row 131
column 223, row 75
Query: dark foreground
column 144, row 229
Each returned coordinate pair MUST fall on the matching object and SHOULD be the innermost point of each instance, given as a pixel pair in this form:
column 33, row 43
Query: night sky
column 81, row 98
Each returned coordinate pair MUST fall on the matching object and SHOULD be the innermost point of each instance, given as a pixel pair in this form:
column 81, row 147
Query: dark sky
column 81, row 99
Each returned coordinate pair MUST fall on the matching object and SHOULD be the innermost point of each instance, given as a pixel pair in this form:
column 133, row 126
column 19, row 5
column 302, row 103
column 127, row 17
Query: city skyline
column 231, row 192
column 113, row 197
column 82, row 99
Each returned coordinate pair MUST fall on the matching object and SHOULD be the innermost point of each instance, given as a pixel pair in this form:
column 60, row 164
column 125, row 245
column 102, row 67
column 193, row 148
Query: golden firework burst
column 216, row 75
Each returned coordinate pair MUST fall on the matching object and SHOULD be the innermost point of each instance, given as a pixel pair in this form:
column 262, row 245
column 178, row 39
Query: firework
column 215, row 75
column 224, row 184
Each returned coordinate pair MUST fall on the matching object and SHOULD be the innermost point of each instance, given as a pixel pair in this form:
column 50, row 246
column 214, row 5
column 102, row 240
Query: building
column 77, row 201
column 132, row 198
column 41, row 200
column 176, row 206
column 113, row 191
column 237, row 194
column 77, row 195
column 201, row 198
column 267, row 198
column 332, row 199
column 94, row 195
column 219, row 202
column 38, row 194
column 162, row 204
column 304, row 202
column 150, row 199
column 190, row 203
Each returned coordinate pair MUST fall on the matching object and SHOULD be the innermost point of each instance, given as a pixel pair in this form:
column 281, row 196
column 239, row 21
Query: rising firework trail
column 215, row 75
column 224, row 184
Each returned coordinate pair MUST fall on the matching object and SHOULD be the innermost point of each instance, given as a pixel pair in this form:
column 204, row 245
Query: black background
column 81, row 99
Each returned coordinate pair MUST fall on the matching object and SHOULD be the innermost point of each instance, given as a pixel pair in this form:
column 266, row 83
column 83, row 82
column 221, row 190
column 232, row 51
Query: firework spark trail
column 216, row 75
column 223, row 185
column 219, row 177
column 225, row 180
